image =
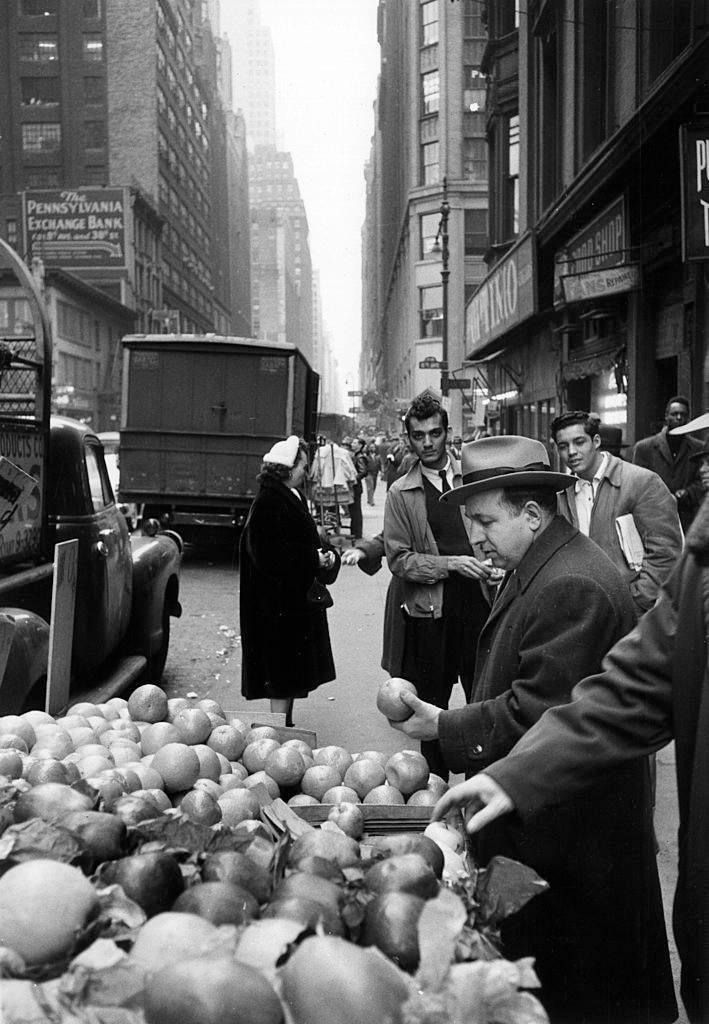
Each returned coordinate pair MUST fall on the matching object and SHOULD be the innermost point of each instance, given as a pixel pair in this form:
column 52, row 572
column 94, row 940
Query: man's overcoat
column 285, row 642
column 679, row 473
column 598, row 935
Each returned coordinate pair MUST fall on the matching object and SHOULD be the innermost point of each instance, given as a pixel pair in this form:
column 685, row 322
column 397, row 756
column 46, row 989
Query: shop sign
column 504, row 299
column 694, row 172
column 21, row 468
column 76, row 229
column 601, row 245
column 597, row 284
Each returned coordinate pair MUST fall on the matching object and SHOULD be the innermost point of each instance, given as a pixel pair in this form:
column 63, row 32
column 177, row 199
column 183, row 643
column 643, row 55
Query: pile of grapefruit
column 139, row 823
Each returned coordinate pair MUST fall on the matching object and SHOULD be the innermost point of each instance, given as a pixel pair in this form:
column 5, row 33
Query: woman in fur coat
column 285, row 641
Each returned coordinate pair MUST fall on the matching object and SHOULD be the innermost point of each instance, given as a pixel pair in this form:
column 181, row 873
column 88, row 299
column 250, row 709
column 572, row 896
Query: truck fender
column 27, row 658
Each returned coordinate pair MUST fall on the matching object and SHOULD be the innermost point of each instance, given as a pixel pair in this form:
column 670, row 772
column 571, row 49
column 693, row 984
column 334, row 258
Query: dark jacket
column 679, row 474
column 628, row 489
column 598, row 935
column 653, row 687
column 285, row 642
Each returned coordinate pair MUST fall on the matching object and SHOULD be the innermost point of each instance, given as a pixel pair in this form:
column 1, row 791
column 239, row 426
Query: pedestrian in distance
column 598, row 934
column 283, row 600
column 360, row 463
column 626, row 509
column 431, row 629
column 372, row 472
column 669, row 454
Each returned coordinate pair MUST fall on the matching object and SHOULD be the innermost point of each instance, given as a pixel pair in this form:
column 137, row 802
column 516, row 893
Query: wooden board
column 276, row 720
column 379, row 819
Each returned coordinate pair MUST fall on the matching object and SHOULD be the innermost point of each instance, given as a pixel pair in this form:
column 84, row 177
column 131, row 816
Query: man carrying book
column 626, row 509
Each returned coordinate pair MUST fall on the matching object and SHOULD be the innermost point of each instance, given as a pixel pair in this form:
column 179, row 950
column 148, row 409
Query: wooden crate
column 276, row 720
column 379, row 819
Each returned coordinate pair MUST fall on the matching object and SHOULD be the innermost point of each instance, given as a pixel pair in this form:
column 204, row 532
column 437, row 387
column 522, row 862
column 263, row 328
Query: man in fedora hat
column 669, row 454
column 598, row 934
column 627, row 510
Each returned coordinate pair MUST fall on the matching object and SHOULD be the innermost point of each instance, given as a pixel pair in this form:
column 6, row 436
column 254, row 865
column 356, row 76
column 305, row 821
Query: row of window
column 46, row 136
column 46, row 91
column 44, row 49
column 474, row 91
column 193, row 188
column 170, row 199
column 52, row 177
column 184, row 286
column 77, row 326
column 473, row 27
column 49, row 8
column 166, row 69
column 475, row 165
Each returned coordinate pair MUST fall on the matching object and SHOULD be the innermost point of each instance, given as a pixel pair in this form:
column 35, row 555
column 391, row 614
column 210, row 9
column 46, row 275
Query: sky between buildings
column 327, row 61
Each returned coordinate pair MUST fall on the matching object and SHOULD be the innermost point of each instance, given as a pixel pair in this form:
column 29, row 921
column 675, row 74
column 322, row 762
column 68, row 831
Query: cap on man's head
column 284, row 453
column 505, row 461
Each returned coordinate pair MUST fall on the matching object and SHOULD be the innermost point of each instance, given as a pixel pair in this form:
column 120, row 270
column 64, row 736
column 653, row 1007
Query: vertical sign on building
column 694, row 172
column 61, row 631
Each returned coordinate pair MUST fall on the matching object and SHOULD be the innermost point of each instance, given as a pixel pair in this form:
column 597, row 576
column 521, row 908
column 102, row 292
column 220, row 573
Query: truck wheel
column 156, row 662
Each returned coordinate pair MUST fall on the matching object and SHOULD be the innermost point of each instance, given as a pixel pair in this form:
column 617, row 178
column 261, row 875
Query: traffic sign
column 431, row 363
column 355, row 408
column 355, row 394
column 459, row 385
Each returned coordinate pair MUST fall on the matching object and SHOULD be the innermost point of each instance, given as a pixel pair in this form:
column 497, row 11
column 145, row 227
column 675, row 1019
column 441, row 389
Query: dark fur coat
column 285, row 642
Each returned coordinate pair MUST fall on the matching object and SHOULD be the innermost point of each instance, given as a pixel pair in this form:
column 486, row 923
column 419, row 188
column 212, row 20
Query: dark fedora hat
column 505, row 461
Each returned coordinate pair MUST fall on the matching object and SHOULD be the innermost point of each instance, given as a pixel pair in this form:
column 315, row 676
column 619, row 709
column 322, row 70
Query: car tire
column 156, row 662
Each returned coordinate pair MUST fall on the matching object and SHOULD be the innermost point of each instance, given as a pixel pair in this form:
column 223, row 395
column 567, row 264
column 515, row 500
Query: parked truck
column 198, row 413
column 54, row 487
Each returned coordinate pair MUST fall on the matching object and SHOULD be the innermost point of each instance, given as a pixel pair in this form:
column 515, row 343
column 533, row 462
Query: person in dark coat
column 670, row 456
column 598, row 935
column 285, row 641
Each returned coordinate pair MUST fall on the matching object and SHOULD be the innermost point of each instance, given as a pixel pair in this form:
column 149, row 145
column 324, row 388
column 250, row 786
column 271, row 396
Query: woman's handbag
column 318, row 596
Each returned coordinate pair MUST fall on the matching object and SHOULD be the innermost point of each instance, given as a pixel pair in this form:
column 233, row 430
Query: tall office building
column 430, row 129
column 254, row 71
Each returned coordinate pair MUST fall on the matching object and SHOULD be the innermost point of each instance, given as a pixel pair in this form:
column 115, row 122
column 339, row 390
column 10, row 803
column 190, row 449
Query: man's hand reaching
column 479, row 792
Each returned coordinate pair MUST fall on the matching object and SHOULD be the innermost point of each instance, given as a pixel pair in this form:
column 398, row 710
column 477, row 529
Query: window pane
column 94, row 134
column 40, row 49
column 474, row 91
column 92, row 8
column 429, row 23
column 38, row 8
column 93, row 48
column 40, row 92
column 429, row 163
column 430, row 92
column 473, row 27
column 475, row 159
column 475, row 232
column 94, row 92
column 42, row 177
column 100, row 490
column 41, row 137
column 429, row 228
column 95, row 176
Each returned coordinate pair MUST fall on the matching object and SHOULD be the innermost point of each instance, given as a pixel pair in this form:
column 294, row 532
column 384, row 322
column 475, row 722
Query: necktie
column 444, row 480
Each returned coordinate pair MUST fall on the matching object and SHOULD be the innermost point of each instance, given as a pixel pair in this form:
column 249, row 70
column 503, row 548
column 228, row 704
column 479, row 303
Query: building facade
column 595, row 296
column 254, row 71
column 429, row 148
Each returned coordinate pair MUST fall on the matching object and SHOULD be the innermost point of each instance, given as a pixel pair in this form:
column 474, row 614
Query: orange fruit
column 175, row 704
column 265, row 780
column 102, row 835
column 364, row 775
column 94, row 764
column 209, row 764
column 411, row 842
column 318, row 779
column 407, row 771
column 220, row 902
column 301, row 746
column 235, row 867
column 233, row 781
column 263, row 943
column 261, row 732
column 389, row 700
column 340, row 795
column 422, row 798
column 211, row 707
column 148, row 703
column 331, row 845
column 384, row 795
column 168, row 938
column 349, row 818
column 20, row 725
column 208, row 786
column 178, row 766
column 256, row 753
column 10, row 764
column 152, row 880
column 236, row 768
column 302, row 800
column 125, row 728
column 13, row 741
column 57, row 743
column 50, row 801
column 227, row 740
column 286, row 766
column 338, row 757
column 193, row 725
column 238, row 805
column 125, row 753
column 310, row 887
column 310, row 913
column 132, row 808
column 200, row 807
column 210, row 991
column 372, row 755
column 158, row 735
column 402, row 872
column 43, row 905
column 391, row 924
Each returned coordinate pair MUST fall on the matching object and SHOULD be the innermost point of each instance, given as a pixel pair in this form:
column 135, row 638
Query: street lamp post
column 441, row 245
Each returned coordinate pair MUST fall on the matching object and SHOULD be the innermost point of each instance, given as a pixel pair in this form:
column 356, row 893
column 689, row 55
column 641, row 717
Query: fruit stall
column 164, row 860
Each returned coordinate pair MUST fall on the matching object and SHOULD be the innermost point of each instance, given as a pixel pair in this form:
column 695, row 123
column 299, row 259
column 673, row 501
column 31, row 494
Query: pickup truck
column 54, row 486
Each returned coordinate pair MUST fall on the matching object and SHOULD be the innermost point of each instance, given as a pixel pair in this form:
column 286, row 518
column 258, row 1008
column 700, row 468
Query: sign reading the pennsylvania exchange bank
column 76, row 228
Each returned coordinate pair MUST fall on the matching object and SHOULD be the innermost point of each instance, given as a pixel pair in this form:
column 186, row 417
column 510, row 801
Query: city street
column 205, row 658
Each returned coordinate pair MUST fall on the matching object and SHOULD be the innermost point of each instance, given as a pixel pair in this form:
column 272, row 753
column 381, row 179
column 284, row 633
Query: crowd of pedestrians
column 557, row 598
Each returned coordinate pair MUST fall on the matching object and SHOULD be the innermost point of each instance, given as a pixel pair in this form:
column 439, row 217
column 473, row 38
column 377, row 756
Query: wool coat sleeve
column 657, row 521
column 621, row 713
column 554, row 650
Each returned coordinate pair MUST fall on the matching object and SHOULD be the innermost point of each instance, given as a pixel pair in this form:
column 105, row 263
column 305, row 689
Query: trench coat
column 598, row 934
column 679, row 474
column 625, row 488
column 285, row 642
column 653, row 687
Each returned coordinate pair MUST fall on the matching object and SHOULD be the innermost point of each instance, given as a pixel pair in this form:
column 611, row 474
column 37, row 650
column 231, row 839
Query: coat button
column 477, row 749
